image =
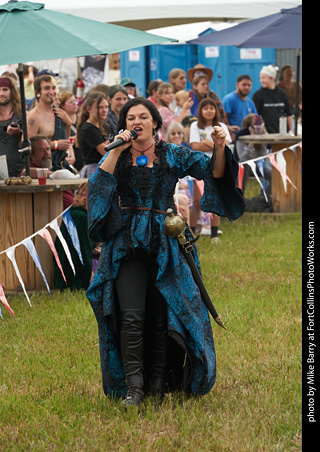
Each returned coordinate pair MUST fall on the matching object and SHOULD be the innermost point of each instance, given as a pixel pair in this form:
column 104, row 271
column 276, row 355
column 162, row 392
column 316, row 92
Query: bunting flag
column 253, row 167
column 295, row 154
column 10, row 253
column 54, row 225
column 260, row 164
column 283, row 165
column 71, row 227
column 4, row 301
column 28, row 243
column 240, row 176
column 47, row 236
column 272, row 158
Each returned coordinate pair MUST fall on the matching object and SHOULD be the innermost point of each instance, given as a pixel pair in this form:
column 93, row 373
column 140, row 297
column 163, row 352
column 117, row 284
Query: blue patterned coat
column 192, row 363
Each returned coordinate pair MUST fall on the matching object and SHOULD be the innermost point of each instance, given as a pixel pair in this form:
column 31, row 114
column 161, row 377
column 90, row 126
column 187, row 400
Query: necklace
column 142, row 159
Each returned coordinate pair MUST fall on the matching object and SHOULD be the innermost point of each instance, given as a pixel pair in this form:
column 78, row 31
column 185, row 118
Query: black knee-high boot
column 132, row 351
column 159, row 333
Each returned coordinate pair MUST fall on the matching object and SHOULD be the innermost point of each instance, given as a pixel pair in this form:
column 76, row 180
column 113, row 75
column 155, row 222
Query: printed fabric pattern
column 192, row 364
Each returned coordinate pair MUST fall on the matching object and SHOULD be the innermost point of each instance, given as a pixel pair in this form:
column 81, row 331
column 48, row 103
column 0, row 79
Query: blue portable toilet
column 144, row 64
column 165, row 57
column 227, row 62
column 133, row 64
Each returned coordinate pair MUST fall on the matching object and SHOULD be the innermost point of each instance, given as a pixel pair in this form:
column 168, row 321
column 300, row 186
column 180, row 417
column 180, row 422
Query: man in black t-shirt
column 271, row 101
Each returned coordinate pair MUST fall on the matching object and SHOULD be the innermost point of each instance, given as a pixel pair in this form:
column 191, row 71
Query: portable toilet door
column 165, row 57
column 133, row 64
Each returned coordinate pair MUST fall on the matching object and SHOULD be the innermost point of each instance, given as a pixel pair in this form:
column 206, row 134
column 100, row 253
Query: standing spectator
column 271, row 101
column 152, row 91
column 49, row 120
column 286, row 82
column 91, row 137
column 130, row 87
column 237, row 105
column 200, row 77
column 166, row 97
column 29, row 74
column 69, row 104
column 201, row 140
column 177, row 78
column 117, row 97
column 10, row 130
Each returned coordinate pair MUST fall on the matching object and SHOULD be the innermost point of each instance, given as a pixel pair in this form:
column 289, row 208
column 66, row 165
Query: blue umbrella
column 282, row 30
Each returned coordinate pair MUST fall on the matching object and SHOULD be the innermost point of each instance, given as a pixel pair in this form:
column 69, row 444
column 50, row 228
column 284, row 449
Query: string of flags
column 277, row 160
column 29, row 245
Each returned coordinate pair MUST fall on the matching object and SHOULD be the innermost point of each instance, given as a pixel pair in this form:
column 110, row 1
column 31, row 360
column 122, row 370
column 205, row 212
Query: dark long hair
column 201, row 121
column 122, row 123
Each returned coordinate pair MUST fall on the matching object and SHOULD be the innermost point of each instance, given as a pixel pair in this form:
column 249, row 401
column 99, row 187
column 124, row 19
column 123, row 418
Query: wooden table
column 290, row 200
column 25, row 209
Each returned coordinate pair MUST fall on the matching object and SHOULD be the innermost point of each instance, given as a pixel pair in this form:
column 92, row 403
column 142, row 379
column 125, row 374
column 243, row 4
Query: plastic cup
column 258, row 130
column 42, row 174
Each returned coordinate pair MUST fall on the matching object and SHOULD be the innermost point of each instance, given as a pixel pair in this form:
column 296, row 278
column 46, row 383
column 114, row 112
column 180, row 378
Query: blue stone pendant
column 142, row 160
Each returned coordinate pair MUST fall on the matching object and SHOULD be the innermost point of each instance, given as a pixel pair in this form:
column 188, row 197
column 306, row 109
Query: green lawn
column 51, row 396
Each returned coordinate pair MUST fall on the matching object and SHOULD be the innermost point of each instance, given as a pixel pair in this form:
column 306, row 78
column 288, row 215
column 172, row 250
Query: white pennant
column 28, row 243
column 11, row 256
column 283, row 165
column 253, row 167
column 54, row 225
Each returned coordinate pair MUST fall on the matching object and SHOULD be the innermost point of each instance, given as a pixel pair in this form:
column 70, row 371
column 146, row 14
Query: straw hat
column 197, row 70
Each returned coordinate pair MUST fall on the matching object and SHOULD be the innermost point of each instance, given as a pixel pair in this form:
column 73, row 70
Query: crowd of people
column 79, row 131
column 154, row 331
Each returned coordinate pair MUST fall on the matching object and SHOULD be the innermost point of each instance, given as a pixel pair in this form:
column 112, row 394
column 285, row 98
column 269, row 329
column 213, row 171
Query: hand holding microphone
column 120, row 141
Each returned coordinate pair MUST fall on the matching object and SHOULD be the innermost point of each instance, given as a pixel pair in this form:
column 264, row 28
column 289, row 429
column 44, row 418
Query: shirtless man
column 42, row 118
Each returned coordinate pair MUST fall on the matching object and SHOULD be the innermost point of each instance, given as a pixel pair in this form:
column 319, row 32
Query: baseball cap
column 47, row 72
column 127, row 81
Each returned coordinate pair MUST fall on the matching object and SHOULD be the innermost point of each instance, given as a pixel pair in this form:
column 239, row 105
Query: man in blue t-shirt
column 237, row 104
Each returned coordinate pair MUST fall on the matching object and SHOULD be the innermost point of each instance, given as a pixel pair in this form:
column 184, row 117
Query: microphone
column 120, row 141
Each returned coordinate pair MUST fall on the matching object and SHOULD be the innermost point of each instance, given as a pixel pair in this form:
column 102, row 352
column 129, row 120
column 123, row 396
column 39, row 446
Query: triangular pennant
column 4, row 300
column 11, row 256
column 283, row 165
column 54, row 225
column 253, row 167
column 72, row 229
column 295, row 154
column 240, row 176
column 200, row 185
column 47, row 236
column 273, row 161
column 28, row 243
column 260, row 164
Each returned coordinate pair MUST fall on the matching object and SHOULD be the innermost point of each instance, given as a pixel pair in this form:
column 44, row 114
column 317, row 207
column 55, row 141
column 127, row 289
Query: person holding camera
column 10, row 130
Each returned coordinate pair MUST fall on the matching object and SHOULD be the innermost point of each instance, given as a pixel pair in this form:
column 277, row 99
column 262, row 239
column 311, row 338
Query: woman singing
column 154, row 330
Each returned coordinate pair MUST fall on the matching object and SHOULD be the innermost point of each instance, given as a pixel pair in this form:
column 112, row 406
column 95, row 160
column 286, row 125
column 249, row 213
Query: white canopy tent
column 145, row 15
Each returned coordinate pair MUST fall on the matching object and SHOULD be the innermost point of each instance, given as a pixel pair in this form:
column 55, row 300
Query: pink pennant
column 240, row 176
column 4, row 300
column 47, row 236
column 273, row 161
column 200, row 185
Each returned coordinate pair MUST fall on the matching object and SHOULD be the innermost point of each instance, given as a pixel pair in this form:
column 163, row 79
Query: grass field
column 51, row 396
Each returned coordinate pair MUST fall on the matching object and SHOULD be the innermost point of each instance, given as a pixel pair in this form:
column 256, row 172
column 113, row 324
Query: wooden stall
column 25, row 209
column 290, row 200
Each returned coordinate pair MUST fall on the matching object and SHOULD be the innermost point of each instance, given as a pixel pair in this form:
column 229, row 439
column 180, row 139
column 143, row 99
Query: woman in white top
column 200, row 140
column 200, row 132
